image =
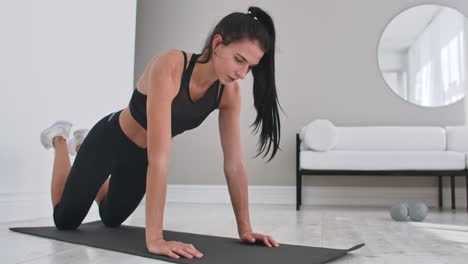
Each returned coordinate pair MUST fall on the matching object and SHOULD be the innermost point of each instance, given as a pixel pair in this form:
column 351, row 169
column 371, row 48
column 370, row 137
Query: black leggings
column 105, row 150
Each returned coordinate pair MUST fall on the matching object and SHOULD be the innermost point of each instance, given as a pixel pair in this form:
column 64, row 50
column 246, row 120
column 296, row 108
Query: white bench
column 387, row 150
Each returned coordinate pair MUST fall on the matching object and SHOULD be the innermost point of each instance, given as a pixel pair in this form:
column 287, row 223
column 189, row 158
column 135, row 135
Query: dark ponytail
column 256, row 24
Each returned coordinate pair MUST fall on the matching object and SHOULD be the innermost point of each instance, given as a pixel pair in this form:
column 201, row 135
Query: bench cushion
column 457, row 138
column 391, row 138
column 382, row 160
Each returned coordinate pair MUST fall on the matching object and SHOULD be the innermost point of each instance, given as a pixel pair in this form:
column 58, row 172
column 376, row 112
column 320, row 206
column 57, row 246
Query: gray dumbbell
column 417, row 211
column 399, row 211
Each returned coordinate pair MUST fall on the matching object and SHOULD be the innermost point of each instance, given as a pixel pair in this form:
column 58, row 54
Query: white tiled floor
column 441, row 238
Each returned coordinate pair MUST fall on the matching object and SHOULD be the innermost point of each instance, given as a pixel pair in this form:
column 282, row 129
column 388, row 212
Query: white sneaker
column 78, row 137
column 59, row 128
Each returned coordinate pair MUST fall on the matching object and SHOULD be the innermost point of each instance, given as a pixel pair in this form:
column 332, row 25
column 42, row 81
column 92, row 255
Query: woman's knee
column 107, row 219
column 110, row 221
column 64, row 222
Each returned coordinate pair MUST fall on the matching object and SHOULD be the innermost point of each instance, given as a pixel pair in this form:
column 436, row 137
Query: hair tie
column 254, row 17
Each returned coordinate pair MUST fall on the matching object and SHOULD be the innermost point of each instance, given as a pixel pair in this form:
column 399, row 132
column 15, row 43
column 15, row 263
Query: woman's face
column 234, row 61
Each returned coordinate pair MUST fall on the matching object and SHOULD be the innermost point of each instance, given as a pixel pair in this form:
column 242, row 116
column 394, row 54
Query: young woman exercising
column 175, row 93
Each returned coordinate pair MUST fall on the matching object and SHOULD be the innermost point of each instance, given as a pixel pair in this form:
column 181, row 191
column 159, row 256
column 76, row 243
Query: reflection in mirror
column 422, row 55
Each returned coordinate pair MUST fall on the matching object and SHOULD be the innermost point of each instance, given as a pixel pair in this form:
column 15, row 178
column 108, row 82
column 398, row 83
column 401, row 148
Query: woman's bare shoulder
column 171, row 61
column 169, row 64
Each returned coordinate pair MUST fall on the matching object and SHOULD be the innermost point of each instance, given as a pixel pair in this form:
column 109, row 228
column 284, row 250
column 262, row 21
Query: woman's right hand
column 173, row 249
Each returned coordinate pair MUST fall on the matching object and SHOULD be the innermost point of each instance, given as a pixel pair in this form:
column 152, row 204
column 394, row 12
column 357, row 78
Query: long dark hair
column 256, row 24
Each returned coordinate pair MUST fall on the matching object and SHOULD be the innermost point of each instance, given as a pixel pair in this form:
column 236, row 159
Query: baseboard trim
column 286, row 195
column 313, row 195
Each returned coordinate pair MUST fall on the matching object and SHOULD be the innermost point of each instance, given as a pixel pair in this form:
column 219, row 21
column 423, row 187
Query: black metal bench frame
column 439, row 173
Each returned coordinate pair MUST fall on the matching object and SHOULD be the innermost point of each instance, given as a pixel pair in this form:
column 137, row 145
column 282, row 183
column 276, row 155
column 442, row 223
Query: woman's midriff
column 134, row 131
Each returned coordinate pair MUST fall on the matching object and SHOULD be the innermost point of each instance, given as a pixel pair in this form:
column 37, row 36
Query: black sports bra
column 186, row 114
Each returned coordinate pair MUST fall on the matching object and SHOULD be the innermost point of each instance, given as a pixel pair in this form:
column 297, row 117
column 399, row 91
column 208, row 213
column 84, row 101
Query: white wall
column 70, row 60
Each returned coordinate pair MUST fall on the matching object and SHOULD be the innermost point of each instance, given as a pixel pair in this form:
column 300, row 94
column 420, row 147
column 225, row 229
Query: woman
column 176, row 92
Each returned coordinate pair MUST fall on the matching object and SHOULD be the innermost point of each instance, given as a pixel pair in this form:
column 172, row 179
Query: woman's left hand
column 251, row 237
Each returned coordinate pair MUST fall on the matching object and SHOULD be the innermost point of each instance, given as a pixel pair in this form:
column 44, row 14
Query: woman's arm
column 163, row 82
column 234, row 166
column 238, row 190
column 161, row 91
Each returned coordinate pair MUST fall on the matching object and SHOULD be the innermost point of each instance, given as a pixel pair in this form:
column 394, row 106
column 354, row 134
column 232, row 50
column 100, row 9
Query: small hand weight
column 399, row 211
column 418, row 211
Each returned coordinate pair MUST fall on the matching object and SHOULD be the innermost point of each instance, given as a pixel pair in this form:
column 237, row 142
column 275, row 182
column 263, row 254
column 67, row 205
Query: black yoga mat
column 216, row 250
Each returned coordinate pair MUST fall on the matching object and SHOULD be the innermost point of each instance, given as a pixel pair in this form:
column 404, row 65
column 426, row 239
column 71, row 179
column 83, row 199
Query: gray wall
column 326, row 68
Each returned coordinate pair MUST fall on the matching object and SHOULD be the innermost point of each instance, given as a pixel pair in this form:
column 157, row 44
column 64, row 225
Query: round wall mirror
column 422, row 55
